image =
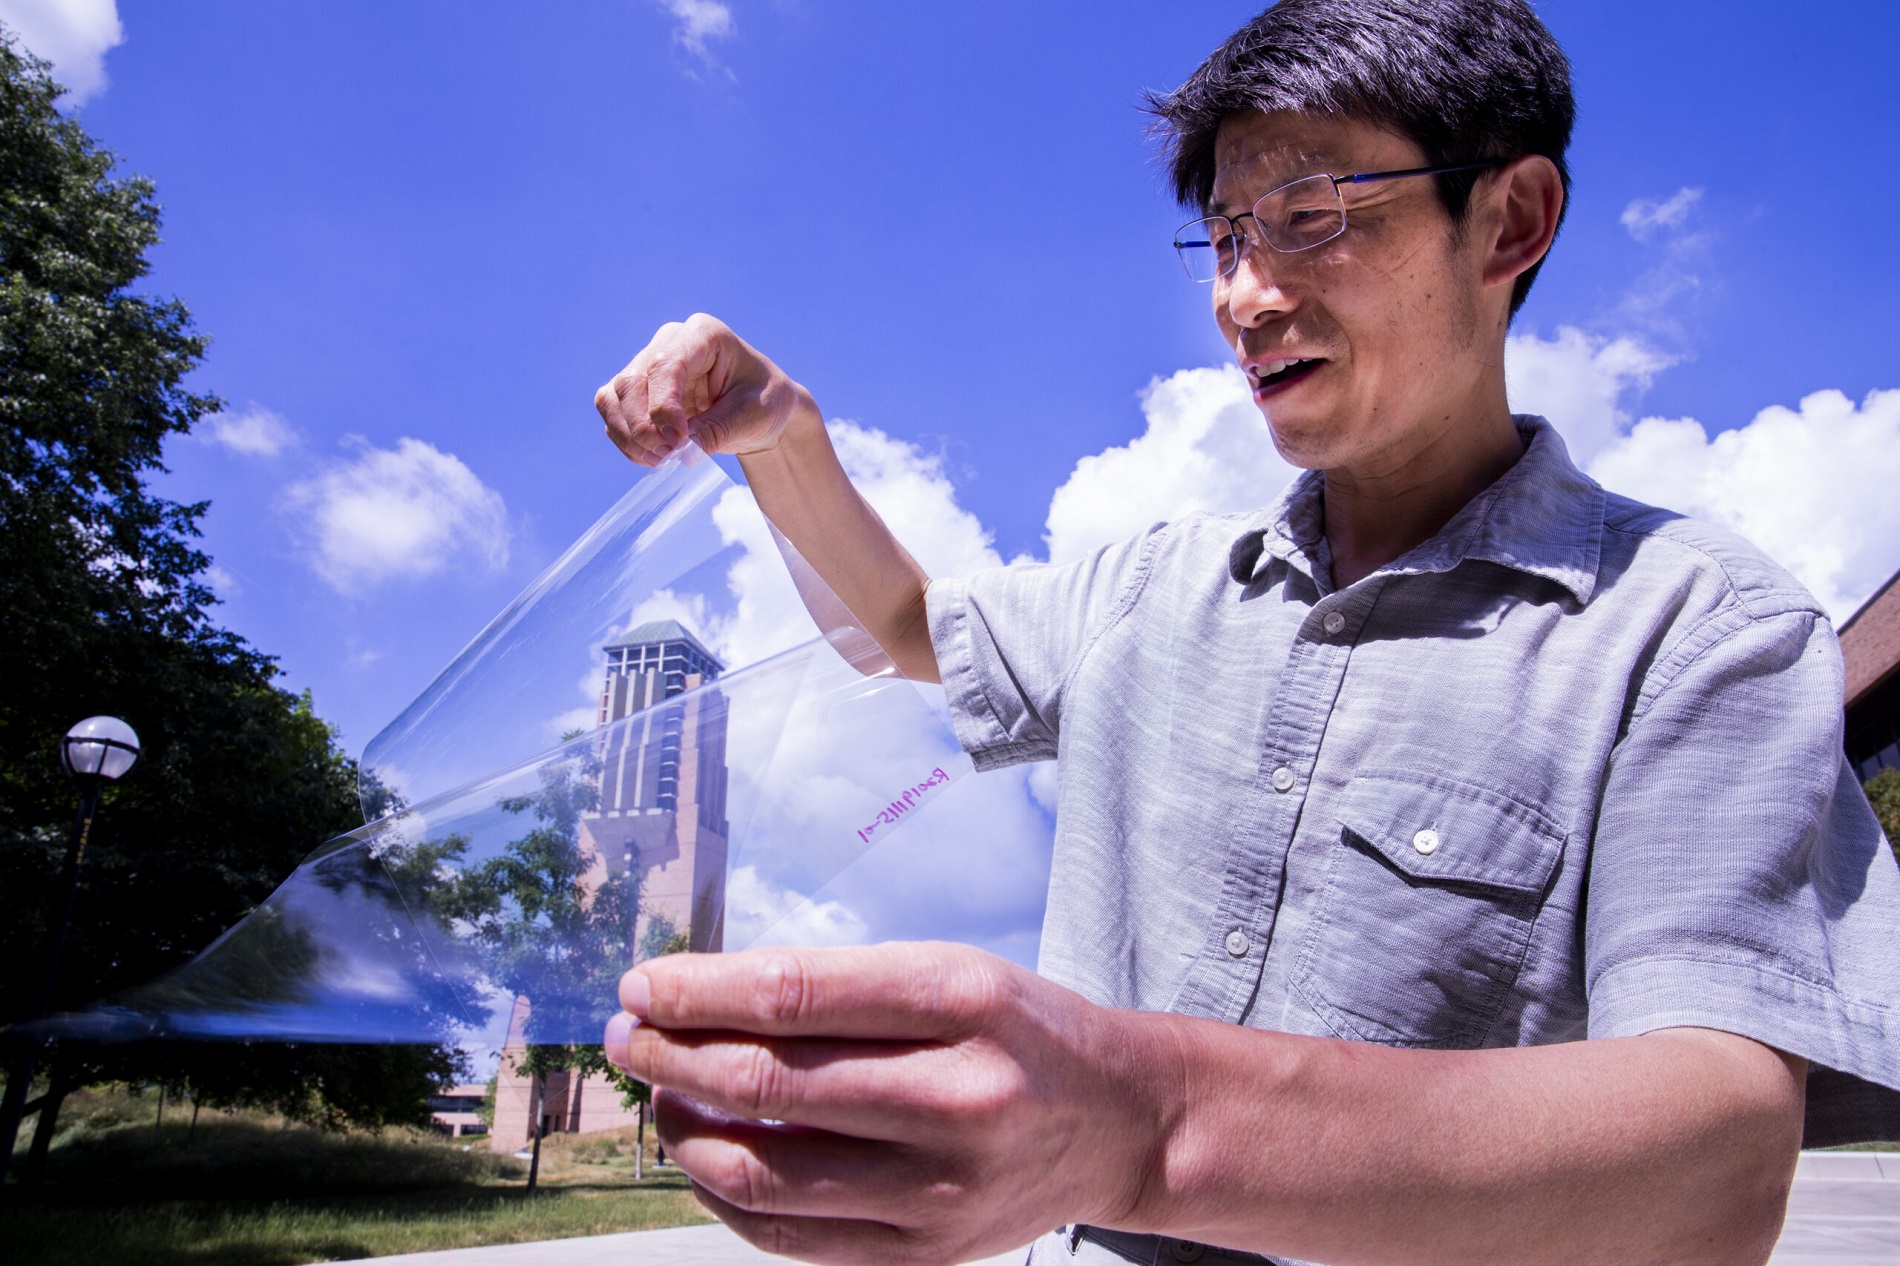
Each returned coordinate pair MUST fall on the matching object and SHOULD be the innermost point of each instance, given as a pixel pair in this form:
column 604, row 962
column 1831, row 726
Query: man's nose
column 1253, row 293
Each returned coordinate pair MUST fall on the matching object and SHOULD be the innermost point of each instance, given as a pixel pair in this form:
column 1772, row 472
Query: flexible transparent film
column 504, row 912
column 663, row 589
column 649, row 750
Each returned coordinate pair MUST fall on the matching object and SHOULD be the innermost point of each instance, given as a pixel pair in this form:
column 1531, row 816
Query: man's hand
column 927, row 1103
column 931, row 1103
column 698, row 380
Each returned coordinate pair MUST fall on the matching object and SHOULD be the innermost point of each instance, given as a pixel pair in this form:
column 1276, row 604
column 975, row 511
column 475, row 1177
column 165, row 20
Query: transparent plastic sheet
column 548, row 880
column 504, row 882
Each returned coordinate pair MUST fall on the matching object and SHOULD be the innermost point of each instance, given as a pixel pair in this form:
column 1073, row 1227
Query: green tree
column 557, row 928
column 107, row 611
column 1883, row 792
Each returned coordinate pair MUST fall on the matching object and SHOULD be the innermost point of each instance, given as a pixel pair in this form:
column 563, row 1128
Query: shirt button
column 1184, row 1251
column 1238, row 944
column 1426, row 841
column 1283, row 779
column 1334, row 621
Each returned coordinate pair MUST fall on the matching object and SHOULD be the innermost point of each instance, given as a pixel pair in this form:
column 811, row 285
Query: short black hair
column 1463, row 79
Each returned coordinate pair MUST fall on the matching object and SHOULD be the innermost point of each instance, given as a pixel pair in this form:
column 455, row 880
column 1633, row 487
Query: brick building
column 660, row 814
column 1870, row 646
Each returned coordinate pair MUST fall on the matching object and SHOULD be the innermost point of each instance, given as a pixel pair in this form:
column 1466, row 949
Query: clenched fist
column 697, row 380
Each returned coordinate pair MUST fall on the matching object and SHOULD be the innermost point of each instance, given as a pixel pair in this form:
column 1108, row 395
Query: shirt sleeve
column 1009, row 639
column 1739, row 879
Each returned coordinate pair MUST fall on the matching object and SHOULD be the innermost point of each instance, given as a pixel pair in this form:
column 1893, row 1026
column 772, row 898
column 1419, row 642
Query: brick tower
column 661, row 814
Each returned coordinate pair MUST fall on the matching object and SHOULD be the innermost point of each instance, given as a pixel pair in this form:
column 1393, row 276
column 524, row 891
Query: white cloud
column 222, row 582
column 760, row 913
column 910, row 492
column 1043, row 786
column 1643, row 216
column 406, row 512
column 1814, row 486
column 256, row 432
column 1579, row 382
column 696, row 22
column 361, row 657
column 1205, row 447
column 908, row 489
column 74, row 35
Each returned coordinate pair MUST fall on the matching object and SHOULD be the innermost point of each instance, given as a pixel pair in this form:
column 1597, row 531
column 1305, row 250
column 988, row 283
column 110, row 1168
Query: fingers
column 837, row 1241
column 622, row 405
column 923, row 992
column 871, row 1090
column 648, row 407
column 788, row 1170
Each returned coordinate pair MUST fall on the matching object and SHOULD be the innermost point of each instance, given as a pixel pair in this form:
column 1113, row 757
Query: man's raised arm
column 698, row 380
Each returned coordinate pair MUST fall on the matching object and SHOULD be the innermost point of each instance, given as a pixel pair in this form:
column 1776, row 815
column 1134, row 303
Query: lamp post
column 95, row 752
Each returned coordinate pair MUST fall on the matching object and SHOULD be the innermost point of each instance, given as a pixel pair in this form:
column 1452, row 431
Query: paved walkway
column 681, row 1246
column 1845, row 1211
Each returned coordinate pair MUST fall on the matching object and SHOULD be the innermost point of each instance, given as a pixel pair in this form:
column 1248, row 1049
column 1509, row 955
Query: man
column 1373, row 804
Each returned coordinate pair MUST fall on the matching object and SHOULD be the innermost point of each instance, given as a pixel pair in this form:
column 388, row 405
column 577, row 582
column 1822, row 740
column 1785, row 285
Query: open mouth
column 1278, row 373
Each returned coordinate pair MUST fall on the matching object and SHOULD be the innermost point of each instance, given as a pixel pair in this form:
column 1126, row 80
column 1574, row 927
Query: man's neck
column 1376, row 515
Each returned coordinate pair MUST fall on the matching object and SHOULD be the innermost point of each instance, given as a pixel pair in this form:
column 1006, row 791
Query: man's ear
column 1521, row 205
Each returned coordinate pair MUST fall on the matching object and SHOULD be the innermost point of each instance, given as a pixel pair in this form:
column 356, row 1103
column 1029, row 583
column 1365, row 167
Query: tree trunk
column 43, row 1130
column 537, row 1120
column 640, row 1142
column 158, row 1122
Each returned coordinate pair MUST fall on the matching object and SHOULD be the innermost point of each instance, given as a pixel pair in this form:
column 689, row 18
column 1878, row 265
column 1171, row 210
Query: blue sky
column 447, row 223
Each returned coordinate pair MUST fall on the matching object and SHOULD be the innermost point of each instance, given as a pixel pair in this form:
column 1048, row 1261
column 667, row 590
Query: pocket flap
column 1438, row 828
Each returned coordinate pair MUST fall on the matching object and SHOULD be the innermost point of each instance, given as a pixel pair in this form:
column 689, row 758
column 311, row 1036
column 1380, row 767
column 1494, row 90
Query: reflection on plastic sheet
column 585, row 786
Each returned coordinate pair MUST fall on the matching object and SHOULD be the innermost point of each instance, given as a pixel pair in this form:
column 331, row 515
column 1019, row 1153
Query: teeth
column 1273, row 367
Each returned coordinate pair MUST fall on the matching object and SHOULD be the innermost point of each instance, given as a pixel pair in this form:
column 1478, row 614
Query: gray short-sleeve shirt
column 1572, row 768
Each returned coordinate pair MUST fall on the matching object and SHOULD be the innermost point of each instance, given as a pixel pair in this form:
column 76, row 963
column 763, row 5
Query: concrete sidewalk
column 680, row 1246
column 1844, row 1211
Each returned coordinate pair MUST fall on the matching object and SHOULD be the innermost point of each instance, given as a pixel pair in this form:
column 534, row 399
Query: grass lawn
column 246, row 1190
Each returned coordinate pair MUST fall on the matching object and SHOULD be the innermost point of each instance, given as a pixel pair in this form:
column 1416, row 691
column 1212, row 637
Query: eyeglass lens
column 1294, row 217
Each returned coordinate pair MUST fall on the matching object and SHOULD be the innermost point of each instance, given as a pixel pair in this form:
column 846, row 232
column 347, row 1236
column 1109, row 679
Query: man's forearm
column 1673, row 1147
column 804, row 491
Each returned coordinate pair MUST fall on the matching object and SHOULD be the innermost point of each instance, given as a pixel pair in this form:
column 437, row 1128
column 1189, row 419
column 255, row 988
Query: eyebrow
column 1305, row 161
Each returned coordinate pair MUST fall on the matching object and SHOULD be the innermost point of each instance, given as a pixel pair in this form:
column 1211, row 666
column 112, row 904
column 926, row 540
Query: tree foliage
column 555, row 924
column 1883, row 791
column 107, row 611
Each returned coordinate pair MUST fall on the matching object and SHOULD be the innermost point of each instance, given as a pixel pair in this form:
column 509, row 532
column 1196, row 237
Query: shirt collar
column 1543, row 517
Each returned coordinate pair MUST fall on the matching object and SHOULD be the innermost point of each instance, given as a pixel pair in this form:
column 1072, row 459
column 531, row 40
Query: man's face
column 1386, row 318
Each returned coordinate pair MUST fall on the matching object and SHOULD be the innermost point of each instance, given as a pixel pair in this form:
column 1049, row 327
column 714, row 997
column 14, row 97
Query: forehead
column 1254, row 151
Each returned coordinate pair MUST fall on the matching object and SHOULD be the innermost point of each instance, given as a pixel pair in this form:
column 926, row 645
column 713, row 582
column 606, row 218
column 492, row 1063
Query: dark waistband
column 1161, row 1250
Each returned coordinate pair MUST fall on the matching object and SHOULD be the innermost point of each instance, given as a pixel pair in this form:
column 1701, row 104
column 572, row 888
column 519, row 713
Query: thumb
column 725, row 422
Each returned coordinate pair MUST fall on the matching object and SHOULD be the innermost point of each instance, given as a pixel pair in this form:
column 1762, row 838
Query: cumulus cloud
column 74, row 35
column 401, row 513
column 1813, row 486
column 1644, row 216
column 256, row 432
column 1204, row 446
column 758, row 912
column 911, row 493
column 1580, row 382
column 698, row 22
column 222, row 581
column 904, row 484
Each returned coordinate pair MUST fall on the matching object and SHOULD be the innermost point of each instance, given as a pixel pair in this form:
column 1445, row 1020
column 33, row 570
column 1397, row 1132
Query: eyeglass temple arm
column 1367, row 177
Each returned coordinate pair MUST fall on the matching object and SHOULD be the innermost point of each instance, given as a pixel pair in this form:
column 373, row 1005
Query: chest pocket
column 1430, row 898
